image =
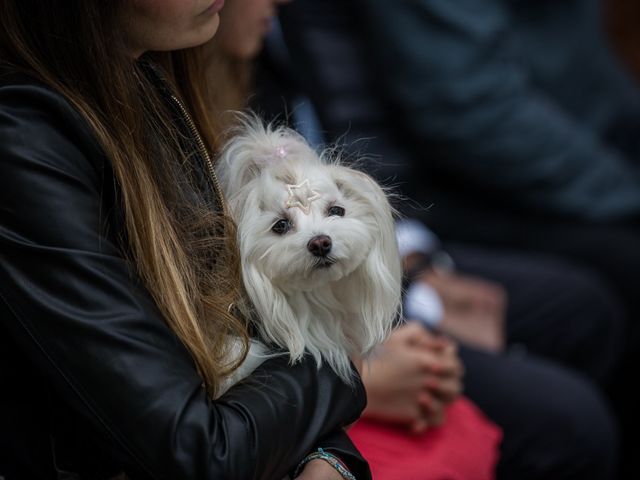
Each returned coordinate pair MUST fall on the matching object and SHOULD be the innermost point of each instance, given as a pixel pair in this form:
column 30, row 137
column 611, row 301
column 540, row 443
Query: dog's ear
column 276, row 322
column 375, row 285
column 240, row 162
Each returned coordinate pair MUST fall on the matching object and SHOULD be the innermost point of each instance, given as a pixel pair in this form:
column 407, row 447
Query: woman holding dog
column 118, row 264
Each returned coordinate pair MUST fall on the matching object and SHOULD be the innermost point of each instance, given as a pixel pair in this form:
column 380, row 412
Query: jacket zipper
column 203, row 151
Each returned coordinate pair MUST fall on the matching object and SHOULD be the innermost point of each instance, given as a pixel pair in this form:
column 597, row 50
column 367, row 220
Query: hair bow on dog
column 301, row 196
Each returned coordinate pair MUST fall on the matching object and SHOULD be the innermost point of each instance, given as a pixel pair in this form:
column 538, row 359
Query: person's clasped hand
column 412, row 378
column 474, row 308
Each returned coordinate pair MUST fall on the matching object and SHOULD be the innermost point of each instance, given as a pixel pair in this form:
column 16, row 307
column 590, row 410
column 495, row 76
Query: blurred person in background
column 513, row 387
column 510, row 123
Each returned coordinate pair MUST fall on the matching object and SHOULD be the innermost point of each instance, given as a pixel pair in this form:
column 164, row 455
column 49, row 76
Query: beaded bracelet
column 330, row 459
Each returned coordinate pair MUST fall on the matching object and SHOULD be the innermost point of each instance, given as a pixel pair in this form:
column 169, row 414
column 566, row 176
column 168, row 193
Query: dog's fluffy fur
column 330, row 306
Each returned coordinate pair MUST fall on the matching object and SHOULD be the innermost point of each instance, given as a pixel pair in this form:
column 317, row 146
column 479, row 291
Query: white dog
column 319, row 257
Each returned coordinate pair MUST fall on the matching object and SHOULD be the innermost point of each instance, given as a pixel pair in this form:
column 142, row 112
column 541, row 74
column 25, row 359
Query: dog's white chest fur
column 257, row 354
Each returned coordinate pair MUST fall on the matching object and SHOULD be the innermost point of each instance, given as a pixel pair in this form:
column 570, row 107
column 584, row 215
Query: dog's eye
column 281, row 227
column 336, row 211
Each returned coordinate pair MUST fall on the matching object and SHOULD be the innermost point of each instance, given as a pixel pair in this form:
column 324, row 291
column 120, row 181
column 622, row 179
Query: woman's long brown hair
column 183, row 249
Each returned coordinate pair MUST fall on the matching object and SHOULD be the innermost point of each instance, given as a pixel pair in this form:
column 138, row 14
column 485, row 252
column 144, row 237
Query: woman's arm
column 85, row 320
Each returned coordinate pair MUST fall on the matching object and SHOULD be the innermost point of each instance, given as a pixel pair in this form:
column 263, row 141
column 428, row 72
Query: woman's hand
column 413, row 378
column 319, row 470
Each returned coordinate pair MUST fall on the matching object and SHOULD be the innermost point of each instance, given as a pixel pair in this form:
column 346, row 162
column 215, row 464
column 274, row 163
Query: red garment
column 465, row 447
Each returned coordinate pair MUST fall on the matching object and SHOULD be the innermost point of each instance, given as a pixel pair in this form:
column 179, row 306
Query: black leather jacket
column 92, row 381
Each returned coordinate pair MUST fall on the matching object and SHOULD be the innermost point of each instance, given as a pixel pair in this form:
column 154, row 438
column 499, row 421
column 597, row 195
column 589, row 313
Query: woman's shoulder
column 23, row 93
column 39, row 124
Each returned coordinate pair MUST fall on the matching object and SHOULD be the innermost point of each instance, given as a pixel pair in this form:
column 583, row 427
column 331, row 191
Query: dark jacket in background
column 515, row 106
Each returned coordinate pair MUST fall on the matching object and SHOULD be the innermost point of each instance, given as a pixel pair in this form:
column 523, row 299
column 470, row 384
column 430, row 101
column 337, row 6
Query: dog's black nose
column 320, row 245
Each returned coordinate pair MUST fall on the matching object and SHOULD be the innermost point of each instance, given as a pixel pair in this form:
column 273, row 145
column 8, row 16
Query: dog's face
column 304, row 224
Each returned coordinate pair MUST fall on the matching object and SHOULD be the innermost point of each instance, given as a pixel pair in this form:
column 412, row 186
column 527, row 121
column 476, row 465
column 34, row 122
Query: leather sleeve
column 86, row 321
